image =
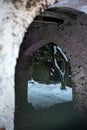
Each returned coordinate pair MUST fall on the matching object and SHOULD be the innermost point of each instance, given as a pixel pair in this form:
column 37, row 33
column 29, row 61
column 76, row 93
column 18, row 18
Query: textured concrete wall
column 15, row 17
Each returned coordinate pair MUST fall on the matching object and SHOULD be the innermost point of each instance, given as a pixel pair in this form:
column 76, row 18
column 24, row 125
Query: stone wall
column 66, row 28
column 78, row 59
column 15, row 17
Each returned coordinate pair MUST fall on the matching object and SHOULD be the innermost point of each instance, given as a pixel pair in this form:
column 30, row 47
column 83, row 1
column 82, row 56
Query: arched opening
column 33, row 45
column 49, row 76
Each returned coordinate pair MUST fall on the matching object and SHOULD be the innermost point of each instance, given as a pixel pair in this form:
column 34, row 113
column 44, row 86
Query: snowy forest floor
column 46, row 95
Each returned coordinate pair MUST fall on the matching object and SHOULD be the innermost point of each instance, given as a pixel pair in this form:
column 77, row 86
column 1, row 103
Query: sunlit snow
column 46, row 95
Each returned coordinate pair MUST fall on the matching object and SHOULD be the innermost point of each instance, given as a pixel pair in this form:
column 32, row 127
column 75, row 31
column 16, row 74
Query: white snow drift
column 46, row 95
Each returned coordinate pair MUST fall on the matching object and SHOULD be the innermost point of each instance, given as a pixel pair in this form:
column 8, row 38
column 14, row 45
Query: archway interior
column 49, row 75
column 59, row 116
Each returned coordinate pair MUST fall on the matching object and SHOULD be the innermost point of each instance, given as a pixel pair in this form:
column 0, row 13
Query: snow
column 57, row 66
column 62, row 53
column 46, row 95
column 57, row 48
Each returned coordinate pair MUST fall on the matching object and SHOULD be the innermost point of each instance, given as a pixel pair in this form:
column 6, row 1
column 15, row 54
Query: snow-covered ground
column 46, row 95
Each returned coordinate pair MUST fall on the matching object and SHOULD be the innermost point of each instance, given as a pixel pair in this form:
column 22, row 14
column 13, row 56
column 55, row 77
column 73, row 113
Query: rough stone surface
column 15, row 17
column 75, row 4
column 66, row 28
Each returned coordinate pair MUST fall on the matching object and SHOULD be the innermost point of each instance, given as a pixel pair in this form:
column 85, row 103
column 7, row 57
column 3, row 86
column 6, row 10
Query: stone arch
column 63, row 26
column 66, row 28
column 15, row 19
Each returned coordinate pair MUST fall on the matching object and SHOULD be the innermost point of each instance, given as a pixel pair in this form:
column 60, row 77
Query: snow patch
column 62, row 53
column 46, row 95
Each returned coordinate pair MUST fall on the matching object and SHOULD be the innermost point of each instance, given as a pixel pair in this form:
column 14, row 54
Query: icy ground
column 46, row 95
